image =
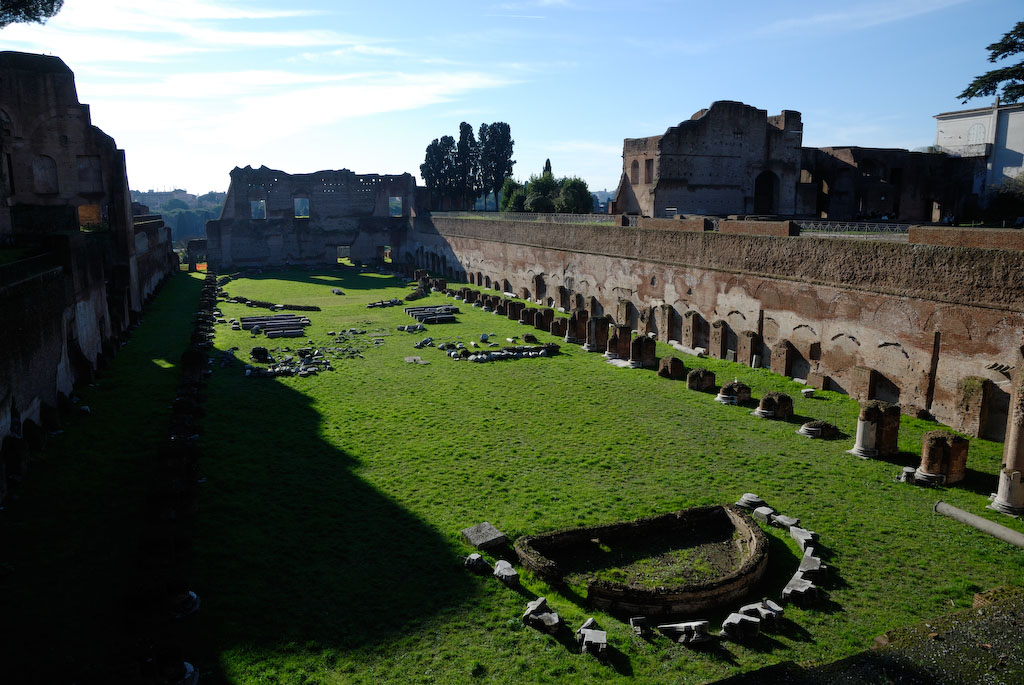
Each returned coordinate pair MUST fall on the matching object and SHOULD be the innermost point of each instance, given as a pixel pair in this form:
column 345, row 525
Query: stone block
column 539, row 616
column 811, row 567
column 764, row 514
column 701, row 380
column 750, row 501
column 504, row 572
column 718, row 339
column 805, row 538
column 672, row 368
column 692, row 322
column 800, row 591
column 741, row 627
column 782, row 358
column 748, row 345
column 484, row 536
column 785, row 522
column 687, row 632
column 477, row 564
column 766, row 610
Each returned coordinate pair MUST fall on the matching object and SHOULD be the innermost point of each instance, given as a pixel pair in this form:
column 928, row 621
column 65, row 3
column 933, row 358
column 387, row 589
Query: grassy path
column 69, row 543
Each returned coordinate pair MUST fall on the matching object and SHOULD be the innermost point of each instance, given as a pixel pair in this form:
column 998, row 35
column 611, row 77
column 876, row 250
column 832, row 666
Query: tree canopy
column 545, row 193
column 462, row 171
column 1011, row 76
column 20, row 11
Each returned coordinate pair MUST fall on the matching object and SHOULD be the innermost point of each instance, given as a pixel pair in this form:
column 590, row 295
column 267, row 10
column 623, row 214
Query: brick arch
column 846, row 306
column 949, row 320
column 891, row 309
column 769, row 297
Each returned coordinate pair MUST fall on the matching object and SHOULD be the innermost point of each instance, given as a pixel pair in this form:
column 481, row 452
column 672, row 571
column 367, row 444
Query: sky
column 192, row 88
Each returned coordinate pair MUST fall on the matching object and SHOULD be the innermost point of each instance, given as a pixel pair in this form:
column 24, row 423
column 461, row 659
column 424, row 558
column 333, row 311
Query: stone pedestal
column 782, row 358
column 619, row 343
column 597, row 334
column 691, row 328
column 642, row 353
column 718, row 339
column 748, row 344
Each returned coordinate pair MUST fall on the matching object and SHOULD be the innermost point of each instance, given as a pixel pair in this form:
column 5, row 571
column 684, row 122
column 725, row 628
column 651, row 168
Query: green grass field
column 329, row 547
column 327, row 542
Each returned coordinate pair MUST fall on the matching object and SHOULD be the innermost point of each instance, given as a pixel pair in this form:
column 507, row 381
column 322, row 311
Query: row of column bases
column 877, row 426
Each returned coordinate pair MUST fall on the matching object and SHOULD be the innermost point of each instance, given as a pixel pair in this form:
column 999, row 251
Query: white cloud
column 864, row 16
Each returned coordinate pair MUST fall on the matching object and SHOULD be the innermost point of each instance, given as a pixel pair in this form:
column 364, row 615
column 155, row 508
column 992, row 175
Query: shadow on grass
column 347, row 278
column 69, row 542
column 294, row 551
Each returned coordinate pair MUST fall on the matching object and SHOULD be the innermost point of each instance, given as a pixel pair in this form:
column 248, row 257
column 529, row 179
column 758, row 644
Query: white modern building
column 995, row 133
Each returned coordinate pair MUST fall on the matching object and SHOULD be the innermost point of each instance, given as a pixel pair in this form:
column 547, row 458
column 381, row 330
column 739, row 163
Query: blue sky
column 192, row 88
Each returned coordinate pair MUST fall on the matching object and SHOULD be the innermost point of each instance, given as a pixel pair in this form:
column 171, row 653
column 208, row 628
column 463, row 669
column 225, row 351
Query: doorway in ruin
column 766, row 193
column 539, row 288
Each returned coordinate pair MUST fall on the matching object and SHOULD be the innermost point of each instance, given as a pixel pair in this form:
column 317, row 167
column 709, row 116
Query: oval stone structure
column 555, row 555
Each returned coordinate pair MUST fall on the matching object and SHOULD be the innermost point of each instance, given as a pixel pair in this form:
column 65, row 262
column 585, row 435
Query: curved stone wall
column 536, row 552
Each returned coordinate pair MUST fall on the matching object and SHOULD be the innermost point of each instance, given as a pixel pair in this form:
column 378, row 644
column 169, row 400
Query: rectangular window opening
column 648, row 170
column 258, row 208
column 301, row 207
column 394, row 206
column 89, row 216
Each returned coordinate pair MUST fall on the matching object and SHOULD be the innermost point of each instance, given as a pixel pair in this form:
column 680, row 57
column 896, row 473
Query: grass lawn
column 328, row 545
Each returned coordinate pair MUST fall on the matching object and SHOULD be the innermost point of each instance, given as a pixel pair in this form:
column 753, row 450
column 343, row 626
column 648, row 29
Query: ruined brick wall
column 696, row 225
column 777, row 228
column 68, row 306
column 274, row 218
column 856, row 183
column 711, row 163
column 990, row 238
column 154, row 255
column 922, row 316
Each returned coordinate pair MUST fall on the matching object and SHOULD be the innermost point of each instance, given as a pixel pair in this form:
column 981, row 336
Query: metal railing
column 814, row 226
column 536, row 217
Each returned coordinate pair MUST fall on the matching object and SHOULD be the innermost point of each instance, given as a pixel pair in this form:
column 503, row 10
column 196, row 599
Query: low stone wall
column 990, row 238
column 686, row 600
column 776, row 228
column 690, row 225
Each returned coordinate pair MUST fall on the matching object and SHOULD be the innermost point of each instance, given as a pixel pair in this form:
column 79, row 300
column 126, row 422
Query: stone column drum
column 1009, row 498
column 868, row 423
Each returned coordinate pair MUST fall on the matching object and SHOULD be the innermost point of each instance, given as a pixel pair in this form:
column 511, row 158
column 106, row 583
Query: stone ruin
column 943, row 458
column 734, row 393
column 547, row 554
column 775, row 405
column 642, row 353
column 701, row 380
column 672, row 368
column 819, row 429
column 878, row 427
